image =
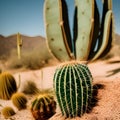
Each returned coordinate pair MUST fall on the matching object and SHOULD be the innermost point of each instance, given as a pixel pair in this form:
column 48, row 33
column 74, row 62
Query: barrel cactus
column 73, row 87
column 19, row 100
column 92, row 39
column 8, row 112
column 7, row 85
column 43, row 107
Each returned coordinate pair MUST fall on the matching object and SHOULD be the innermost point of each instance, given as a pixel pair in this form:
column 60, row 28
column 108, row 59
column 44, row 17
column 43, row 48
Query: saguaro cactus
column 91, row 38
column 73, row 87
column 19, row 45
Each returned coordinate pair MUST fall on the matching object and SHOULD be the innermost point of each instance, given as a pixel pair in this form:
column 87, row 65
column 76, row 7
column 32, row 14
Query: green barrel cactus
column 8, row 112
column 92, row 37
column 43, row 107
column 19, row 100
column 73, row 87
column 7, row 85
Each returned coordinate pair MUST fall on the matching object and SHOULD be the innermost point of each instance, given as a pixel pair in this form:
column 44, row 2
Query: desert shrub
column 32, row 59
column 30, row 88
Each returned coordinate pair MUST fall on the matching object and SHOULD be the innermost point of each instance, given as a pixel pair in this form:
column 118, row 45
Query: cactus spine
column 8, row 112
column 7, row 85
column 19, row 100
column 88, row 32
column 73, row 87
column 43, row 107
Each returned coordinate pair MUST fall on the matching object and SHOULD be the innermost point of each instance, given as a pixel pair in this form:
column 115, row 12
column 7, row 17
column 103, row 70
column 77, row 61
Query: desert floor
column 106, row 76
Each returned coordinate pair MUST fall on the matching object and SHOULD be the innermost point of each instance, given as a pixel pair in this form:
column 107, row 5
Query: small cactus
column 8, row 112
column 19, row 100
column 7, row 85
column 73, row 87
column 43, row 107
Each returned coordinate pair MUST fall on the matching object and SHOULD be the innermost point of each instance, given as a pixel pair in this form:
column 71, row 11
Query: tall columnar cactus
column 7, row 85
column 73, row 87
column 43, row 107
column 19, row 100
column 91, row 38
column 19, row 45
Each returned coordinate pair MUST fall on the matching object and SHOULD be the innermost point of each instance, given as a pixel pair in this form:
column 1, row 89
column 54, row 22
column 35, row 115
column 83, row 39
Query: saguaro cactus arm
column 91, row 39
column 106, row 34
column 85, row 25
column 57, row 29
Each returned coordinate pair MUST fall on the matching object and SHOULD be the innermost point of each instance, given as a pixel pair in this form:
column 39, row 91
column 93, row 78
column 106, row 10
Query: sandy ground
column 105, row 73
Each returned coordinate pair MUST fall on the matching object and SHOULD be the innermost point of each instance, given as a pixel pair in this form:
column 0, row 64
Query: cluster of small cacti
column 92, row 38
column 43, row 107
column 7, row 85
column 8, row 112
column 73, row 87
column 19, row 100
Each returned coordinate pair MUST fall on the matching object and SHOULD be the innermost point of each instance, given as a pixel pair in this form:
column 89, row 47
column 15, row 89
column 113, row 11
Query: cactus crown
column 73, row 87
column 7, row 85
column 43, row 106
column 88, row 32
column 19, row 100
column 8, row 111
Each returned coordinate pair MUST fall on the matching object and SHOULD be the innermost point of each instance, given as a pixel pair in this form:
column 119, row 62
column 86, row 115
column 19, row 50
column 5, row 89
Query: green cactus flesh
column 73, row 87
column 106, row 34
column 43, row 107
column 57, row 28
column 85, row 26
column 104, row 43
column 88, row 30
column 7, row 85
column 95, row 32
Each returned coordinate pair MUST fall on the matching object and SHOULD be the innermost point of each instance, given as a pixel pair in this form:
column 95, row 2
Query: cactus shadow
column 113, row 72
column 94, row 101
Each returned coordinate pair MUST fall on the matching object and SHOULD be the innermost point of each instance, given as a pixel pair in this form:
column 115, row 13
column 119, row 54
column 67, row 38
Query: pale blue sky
column 26, row 16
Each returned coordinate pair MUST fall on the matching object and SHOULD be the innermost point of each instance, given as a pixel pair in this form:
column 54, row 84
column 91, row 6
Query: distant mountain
column 7, row 44
column 117, row 39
